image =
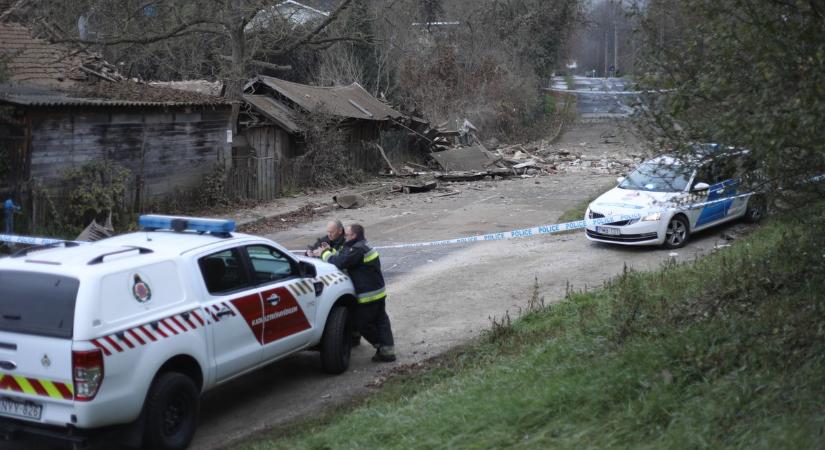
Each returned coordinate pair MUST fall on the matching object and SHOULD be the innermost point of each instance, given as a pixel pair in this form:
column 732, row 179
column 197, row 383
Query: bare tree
column 233, row 38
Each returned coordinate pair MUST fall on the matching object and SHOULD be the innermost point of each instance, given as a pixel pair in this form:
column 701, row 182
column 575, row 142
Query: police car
column 132, row 329
column 666, row 199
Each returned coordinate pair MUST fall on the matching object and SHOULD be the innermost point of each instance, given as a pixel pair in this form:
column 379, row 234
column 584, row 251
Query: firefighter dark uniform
column 335, row 244
column 364, row 268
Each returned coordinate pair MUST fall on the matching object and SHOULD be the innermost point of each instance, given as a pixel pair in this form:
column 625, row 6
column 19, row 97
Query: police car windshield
column 37, row 303
column 658, row 177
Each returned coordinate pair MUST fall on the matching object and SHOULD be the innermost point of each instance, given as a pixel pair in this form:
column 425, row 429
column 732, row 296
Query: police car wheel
column 677, row 232
column 757, row 207
column 335, row 343
column 171, row 412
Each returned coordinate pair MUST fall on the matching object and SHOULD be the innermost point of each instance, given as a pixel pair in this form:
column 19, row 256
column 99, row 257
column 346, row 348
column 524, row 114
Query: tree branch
column 179, row 31
column 259, row 63
column 317, row 30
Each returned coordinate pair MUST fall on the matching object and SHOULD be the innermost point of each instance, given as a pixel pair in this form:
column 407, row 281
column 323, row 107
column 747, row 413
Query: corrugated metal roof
column 25, row 95
column 274, row 111
column 344, row 101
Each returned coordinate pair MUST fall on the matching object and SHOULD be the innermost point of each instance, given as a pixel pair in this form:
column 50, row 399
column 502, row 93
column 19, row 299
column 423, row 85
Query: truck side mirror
column 307, row 270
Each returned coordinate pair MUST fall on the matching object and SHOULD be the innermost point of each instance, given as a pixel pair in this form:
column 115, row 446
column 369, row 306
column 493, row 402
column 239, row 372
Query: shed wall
column 172, row 150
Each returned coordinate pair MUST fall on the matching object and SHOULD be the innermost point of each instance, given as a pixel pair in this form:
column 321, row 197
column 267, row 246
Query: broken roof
column 351, row 101
column 36, row 61
column 42, row 73
column 274, row 111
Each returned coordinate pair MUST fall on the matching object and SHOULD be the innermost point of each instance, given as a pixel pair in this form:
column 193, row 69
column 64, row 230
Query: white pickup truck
column 129, row 331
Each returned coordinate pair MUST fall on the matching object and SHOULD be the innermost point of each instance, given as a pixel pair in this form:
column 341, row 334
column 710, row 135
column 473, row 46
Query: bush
column 95, row 190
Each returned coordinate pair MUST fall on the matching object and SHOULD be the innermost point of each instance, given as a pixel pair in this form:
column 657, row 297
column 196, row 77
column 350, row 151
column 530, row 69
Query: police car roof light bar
column 217, row 227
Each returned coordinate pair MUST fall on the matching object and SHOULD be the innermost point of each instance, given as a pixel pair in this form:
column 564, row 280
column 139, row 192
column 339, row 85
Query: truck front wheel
column 335, row 343
column 171, row 412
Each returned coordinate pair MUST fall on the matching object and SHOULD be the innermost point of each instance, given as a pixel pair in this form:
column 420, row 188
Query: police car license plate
column 608, row 230
column 27, row 410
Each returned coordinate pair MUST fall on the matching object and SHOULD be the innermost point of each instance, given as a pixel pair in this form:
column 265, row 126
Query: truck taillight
column 87, row 371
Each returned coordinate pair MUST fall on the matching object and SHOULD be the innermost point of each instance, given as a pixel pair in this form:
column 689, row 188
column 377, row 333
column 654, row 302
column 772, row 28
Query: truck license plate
column 27, row 410
column 608, row 230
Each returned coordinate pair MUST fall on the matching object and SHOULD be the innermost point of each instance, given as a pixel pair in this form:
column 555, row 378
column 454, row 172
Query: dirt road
column 439, row 297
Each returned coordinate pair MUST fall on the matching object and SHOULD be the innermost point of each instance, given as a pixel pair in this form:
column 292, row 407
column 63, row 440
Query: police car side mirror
column 699, row 187
column 307, row 270
column 619, row 180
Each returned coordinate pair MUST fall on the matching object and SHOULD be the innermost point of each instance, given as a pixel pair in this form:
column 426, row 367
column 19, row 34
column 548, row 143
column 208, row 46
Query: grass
column 726, row 352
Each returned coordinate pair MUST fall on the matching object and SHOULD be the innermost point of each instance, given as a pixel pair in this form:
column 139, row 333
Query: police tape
column 29, row 240
column 558, row 227
column 489, row 237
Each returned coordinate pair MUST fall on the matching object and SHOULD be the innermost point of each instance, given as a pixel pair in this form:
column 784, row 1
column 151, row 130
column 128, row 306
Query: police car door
column 722, row 188
column 288, row 300
column 233, row 307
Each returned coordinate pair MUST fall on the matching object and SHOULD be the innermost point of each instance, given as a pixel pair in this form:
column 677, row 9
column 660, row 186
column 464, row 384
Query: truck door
column 288, row 300
column 233, row 308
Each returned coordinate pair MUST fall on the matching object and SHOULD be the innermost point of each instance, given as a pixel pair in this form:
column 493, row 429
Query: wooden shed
column 272, row 134
column 62, row 109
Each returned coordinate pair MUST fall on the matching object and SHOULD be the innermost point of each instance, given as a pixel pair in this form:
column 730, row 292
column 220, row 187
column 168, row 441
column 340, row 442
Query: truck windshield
column 37, row 303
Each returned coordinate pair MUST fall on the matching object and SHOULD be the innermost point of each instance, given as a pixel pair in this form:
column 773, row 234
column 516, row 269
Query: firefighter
column 364, row 268
column 334, row 239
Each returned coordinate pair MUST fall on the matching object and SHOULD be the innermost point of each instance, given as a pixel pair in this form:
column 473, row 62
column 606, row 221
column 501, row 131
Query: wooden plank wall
column 172, row 149
column 271, row 169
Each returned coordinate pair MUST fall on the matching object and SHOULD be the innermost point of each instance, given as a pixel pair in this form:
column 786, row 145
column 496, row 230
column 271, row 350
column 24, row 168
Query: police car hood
column 628, row 201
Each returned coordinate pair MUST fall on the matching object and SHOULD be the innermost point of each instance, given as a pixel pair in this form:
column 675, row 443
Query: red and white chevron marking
column 301, row 287
column 333, row 278
column 213, row 310
column 150, row 332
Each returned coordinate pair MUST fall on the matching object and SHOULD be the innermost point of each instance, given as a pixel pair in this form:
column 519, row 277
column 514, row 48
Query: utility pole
column 615, row 49
column 606, row 49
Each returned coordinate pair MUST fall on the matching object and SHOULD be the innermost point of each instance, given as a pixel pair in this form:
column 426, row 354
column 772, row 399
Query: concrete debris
column 95, row 232
column 349, row 201
column 474, row 158
column 420, row 187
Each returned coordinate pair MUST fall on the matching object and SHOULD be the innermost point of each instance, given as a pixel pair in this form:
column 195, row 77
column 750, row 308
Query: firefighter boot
column 384, row 354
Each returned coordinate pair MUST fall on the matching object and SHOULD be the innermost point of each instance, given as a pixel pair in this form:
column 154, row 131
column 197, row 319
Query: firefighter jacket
column 336, row 244
column 364, row 268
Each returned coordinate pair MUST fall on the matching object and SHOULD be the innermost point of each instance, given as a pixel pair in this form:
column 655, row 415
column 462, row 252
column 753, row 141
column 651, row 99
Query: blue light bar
column 153, row 222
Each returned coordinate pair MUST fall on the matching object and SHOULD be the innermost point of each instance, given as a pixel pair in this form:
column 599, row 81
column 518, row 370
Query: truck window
column 37, row 303
column 222, row 272
column 269, row 264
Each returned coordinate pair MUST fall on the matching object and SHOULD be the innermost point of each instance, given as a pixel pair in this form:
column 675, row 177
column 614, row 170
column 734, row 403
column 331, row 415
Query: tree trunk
column 236, row 74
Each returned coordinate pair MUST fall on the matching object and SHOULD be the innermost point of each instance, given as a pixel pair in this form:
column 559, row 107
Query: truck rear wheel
column 335, row 343
column 171, row 412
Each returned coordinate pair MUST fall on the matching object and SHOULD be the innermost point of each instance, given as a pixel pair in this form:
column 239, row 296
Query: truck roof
column 117, row 252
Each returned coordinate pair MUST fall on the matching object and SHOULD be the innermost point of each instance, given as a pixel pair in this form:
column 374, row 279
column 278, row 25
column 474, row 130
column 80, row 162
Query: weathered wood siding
column 172, row 150
column 269, row 168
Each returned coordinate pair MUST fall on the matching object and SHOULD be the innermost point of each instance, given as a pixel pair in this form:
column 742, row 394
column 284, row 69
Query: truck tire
column 335, row 343
column 171, row 412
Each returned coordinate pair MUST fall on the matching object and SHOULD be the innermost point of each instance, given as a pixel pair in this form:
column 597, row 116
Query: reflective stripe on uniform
column 327, row 254
column 371, row 255
column 372, row 296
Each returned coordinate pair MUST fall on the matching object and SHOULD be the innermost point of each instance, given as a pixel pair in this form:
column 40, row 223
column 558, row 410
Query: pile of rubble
column 458, row 155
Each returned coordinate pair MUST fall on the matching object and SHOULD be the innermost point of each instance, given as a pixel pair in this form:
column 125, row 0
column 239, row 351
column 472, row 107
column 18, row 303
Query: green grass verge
column 726, row 352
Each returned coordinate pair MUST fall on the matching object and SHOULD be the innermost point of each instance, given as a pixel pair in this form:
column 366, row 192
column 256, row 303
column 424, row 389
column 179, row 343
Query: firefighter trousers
column 372, row 322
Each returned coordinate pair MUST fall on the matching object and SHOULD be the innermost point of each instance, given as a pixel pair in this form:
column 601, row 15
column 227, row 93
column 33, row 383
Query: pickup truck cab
column 131, row 330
